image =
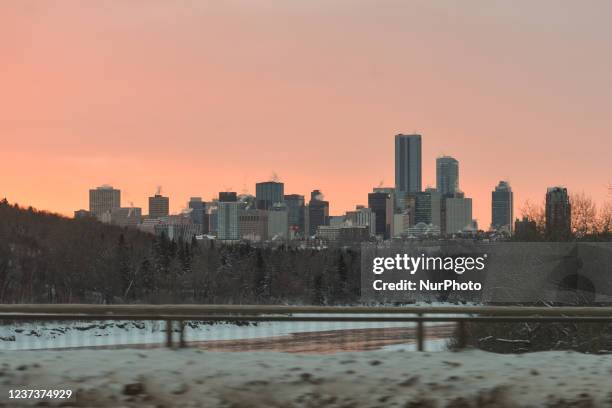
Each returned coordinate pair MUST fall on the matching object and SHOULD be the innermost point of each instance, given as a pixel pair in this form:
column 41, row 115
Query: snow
column 196, row 378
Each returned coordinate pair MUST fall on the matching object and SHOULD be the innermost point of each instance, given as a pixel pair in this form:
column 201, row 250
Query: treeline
column 47, row 258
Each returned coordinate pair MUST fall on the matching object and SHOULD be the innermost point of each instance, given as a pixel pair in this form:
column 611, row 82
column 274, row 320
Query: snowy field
column 390, row 378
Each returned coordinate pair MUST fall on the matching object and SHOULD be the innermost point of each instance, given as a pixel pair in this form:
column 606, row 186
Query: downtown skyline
column 114, row 95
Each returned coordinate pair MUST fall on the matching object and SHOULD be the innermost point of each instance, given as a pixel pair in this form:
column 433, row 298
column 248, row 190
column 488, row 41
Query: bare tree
column 584, row 214
column 535, row 212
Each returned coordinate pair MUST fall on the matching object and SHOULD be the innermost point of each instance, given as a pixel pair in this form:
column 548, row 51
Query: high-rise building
column 447, row 175
column 382, row 205
column 317, row 212
column 159, row 206
column 458, row 214
column 198, row 213
column 269, row 193
column 228, row 228
column 502, row 207
column 362, row 216
column 253, row 224
column 278, row 222
column 428, row 207
column 558, row 214
column 295, row 208
column 103, row 199
column 228, row 196
column 407, row 165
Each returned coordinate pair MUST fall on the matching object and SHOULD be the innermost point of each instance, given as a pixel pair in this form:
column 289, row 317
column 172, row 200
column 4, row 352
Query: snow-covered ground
column 391, row 378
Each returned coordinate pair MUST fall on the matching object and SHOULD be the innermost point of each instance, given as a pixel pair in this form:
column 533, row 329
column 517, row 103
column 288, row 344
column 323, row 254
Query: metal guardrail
column 239, row 313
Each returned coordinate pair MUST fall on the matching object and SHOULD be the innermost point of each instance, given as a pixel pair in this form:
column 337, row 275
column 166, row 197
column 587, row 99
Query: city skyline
column 136, row 98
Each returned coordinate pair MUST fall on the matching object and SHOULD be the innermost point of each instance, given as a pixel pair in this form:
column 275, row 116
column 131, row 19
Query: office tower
column 278, row 222
column 228, row 196
column 407, row 165
column 558, row 214
column 362, row 216
column 295, row 209
column 447, row 175
column 159, row 206
column 103, row 199
column 123, row 217
column 317, row 212
column 382, row 205
column 198, row 213
column 253, row 224
column 428, row 207
column 227, row 220
column 458, row 214
column 269, row 193
column 502, row 204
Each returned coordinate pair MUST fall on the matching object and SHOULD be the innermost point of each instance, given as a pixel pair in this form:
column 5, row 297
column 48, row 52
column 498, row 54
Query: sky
column 203, row 96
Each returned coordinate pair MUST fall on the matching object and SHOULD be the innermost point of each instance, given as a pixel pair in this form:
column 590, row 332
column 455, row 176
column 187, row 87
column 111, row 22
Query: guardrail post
column 461, row 334
column 420, row 334
column 169, row 325
column 182, row 343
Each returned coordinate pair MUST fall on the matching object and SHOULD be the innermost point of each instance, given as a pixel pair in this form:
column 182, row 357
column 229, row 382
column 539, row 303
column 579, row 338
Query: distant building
column 407, row 163
column 295, row 208
column 382, row 205
column 159, row 206
column 198, row 210
column 317, row 212
column 558, row 214
column 123, row 217
column 269, row 193
column 422, row 230
column 502, row 207
column 428, row 207
column 343, row 234
column 278, row 222
column 81, row 214
column 458, row 215
column 447, row 175
column 227, row 220
column 253, row 225
column 103, row 199
column 362, row 216
column 401, row 223
column 228, row 196
column 525, row 230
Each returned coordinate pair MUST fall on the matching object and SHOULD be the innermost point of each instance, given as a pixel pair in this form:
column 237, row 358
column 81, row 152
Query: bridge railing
column 175, row 316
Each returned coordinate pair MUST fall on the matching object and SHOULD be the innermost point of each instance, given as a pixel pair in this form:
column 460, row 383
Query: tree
column 584, row 215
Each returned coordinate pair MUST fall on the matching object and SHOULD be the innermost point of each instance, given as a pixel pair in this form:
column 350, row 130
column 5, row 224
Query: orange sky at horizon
column 200, row 97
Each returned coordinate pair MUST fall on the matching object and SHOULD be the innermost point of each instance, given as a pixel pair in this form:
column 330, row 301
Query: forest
column 47, row 258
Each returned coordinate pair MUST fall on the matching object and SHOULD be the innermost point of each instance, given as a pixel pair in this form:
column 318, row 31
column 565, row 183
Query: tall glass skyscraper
column 502, row 202
column 447, row 175
column 407, row 166
column 269, row 193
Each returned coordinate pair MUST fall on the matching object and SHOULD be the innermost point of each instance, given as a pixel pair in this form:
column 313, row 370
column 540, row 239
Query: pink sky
column 202, row 96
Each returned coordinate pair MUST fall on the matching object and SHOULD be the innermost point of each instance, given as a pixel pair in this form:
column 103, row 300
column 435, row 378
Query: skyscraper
column 427, row 207
column 317, row 212
column 198, row 212
column 228, row 196
column 103, row 199
column 159, row 206
column 269, row 193
column 295, row 208
column 382, row 205
column 502, row 203
column 407, row 164
column 558, row 214
column 227, row 220
column 447, row 175
column 458, row 214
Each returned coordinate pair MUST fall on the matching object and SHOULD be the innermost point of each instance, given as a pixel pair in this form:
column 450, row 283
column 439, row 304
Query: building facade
column 458, row 215
column 502, row 207
column 295, row 208
column 447, row 175
column 382, row 205
column 317, row 212
column 103, row 199
column 407, row 165
column 269, row 193
column 558, row 214
column 159, row 206
column 227, row 220
column 428, row 207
